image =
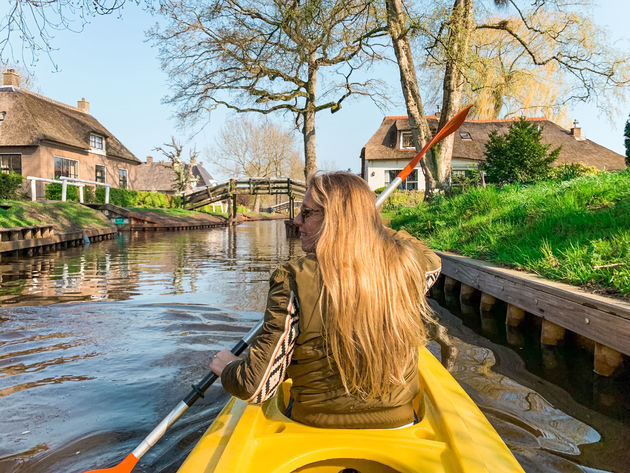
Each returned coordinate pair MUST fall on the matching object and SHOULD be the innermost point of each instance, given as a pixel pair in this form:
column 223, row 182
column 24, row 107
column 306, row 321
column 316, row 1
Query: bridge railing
column 253, row 186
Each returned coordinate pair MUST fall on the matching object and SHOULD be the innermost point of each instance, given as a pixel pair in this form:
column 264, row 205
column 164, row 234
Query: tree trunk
column 308, row 129
column 417, row 120
column 256, row 206
column 460, row 28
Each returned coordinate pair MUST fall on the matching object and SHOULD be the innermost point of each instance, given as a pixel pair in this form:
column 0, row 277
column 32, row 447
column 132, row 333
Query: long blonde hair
column 373, row 300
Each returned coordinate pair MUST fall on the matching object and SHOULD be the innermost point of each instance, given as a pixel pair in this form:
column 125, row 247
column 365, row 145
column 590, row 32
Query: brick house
column 390, row 149
column 41, row 137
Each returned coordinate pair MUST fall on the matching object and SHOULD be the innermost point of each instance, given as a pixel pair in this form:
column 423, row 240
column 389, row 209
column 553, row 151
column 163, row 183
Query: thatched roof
column 383, row 144
column 32, row 119
column 158, row 176
column 155, row 177
column 204, row 177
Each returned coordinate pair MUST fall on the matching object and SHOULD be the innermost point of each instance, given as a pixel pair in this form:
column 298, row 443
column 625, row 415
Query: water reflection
column 536, row 396
column 163, row 263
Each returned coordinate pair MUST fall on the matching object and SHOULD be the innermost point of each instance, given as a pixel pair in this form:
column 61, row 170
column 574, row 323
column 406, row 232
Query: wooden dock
column 561, row 307
column 38, row 239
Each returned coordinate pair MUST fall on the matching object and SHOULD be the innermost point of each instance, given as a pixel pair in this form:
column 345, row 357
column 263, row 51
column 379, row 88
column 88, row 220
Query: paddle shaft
column 452, row 125
column 197, row 392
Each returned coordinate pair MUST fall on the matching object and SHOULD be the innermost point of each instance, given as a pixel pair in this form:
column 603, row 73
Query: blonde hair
column 373, row 300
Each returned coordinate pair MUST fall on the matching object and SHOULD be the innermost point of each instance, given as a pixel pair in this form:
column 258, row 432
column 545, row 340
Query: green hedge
column 9, row 184
column 120, row 197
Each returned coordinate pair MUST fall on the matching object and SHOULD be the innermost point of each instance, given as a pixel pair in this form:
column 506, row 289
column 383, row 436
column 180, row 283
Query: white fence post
column 64, row 191
column 33, row 190
column 107, row 194
column 81, row 193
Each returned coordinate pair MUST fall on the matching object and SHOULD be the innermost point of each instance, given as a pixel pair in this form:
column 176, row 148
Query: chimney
column 10, row 77
column 83, row 105
column 149, row 159
column 575, row 131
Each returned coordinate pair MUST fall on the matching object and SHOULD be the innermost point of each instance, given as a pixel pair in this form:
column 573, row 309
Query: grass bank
column 65, row 216
column 577, row 231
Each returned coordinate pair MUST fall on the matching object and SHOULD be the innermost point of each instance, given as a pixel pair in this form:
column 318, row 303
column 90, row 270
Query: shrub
column 53, row 192
column 519, row 155
column 9, row 184
column 401, row 199
column 177, row 202
column 461, row 183
column 565, row 172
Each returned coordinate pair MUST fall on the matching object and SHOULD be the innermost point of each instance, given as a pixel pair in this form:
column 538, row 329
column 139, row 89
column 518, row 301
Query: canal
column 97, row 344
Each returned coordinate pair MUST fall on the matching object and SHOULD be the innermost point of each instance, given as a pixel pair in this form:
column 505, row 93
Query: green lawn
column 66, row 216
column 577, row 231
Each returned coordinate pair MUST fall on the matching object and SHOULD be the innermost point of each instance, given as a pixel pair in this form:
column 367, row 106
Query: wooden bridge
column 254, row 186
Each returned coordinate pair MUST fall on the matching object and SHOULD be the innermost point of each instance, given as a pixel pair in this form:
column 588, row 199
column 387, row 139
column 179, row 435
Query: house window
column 100, row 174
column 11, row 163
column 406, row 140
column 409, row 184
column 464, row 135
column 123, row 180
column 66, row 168
column 97, row 142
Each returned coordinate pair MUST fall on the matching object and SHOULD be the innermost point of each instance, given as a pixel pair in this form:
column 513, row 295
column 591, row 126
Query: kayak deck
column 452, row 436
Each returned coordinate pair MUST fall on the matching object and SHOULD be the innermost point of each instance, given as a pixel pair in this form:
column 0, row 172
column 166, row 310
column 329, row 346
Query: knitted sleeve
column 258, row 375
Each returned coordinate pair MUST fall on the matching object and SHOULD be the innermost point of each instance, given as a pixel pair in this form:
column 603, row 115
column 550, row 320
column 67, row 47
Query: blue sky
column 116, row 70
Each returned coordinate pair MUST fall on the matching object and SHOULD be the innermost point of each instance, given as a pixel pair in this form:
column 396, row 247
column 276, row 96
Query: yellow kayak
column 453, row 436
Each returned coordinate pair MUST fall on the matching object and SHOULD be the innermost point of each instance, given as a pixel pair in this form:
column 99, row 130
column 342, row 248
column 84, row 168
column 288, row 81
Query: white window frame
column 401, row 142
column 67, row 159
column 407, row 183
column 125, row 172
column 97, row 139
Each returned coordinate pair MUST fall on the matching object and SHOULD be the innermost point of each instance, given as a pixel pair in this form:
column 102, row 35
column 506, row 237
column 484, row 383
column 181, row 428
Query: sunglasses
column 306, row 212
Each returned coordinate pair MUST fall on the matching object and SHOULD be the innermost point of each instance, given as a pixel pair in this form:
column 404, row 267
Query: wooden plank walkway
column 602, row 319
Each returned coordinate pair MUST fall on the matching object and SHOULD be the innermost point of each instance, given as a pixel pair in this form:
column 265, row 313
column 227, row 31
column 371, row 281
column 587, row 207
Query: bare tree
column 28, row 27
column 183, row 180
column 246, row 148
column 552, row 37
column 266, row 56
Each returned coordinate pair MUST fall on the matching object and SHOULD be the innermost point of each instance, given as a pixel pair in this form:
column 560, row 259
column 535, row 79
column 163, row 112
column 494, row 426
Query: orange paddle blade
column 452, row 125
column 124, row 466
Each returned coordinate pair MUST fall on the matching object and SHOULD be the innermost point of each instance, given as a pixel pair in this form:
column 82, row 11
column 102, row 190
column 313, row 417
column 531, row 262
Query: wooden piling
column 514, row 316
column 606, row 360
column 466, row 293
column 551, row 334
column 487, row 302
column 449, row 285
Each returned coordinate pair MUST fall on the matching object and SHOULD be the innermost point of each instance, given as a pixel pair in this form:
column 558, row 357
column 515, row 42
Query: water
column 98, row 344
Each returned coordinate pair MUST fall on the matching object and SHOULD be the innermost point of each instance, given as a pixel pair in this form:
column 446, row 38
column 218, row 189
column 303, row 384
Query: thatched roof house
column 158, row 176
column 44, row 138
column 390, row 148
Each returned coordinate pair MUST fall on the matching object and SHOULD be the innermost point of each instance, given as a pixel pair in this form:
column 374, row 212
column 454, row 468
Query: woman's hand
column 221, row 360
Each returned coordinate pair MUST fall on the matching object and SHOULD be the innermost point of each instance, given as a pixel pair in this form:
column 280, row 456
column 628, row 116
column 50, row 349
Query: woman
column 344, row 321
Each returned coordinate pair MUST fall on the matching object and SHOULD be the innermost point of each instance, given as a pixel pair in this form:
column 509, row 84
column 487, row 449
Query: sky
column 116, row 70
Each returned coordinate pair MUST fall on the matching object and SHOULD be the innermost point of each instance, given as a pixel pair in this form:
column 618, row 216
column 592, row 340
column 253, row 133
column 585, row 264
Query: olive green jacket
column 291, row 345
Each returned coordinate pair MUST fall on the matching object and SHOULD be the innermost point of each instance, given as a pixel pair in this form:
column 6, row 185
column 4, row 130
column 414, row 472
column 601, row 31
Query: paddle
column 452, row 125
column 198, row 390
